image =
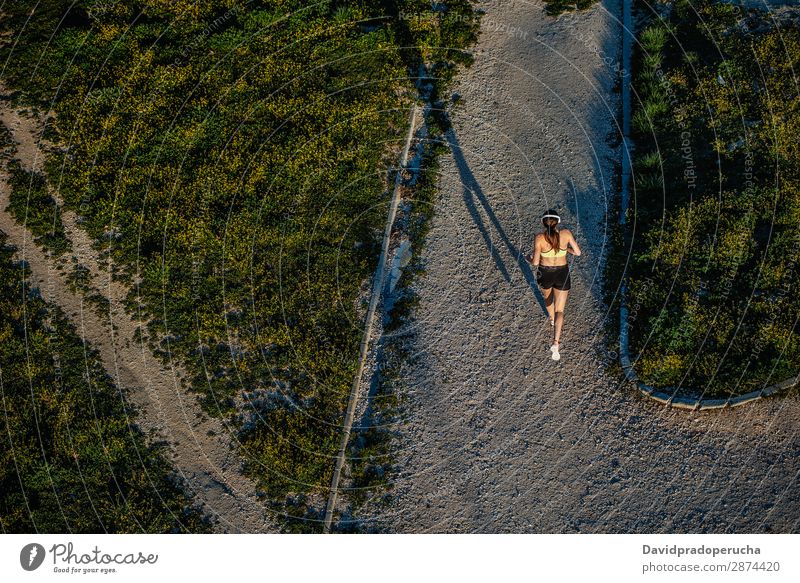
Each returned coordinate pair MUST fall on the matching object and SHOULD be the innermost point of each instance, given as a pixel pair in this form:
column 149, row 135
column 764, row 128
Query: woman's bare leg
column 548, row 302
column 559, row 303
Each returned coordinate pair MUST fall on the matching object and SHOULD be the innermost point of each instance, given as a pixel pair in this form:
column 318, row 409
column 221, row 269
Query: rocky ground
column 498, row 437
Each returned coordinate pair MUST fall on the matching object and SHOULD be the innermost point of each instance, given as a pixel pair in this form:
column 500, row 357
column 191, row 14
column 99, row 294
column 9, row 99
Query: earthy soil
column 498, row 437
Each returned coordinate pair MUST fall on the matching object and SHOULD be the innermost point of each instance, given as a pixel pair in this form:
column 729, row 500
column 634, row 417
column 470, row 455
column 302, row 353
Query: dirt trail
column 500, row 438
column 202, row 449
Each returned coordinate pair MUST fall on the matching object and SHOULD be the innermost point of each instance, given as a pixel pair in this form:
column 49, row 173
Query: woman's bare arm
column 537, row 254
column 535, row 257
column 576, row 250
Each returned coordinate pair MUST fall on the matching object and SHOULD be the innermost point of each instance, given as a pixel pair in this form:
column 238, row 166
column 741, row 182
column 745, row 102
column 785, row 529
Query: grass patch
column 73, row 459
column 716, row 237
column 34, row 208
column 556, row 7
column 236, row 166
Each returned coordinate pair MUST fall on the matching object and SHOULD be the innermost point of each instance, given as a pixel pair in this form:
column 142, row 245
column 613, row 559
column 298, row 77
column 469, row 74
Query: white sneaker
column 554, row 350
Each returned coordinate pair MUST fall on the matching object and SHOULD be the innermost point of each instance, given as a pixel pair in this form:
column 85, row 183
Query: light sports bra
column 554, row 253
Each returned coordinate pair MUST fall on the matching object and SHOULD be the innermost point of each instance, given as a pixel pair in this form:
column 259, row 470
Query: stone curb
column 376, row 294
column 698, row 404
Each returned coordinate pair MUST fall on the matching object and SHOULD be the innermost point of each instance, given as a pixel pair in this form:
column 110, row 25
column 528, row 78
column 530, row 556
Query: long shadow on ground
column 474, row 196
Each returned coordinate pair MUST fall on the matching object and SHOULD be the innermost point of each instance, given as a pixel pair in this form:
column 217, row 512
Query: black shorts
column 557, row 277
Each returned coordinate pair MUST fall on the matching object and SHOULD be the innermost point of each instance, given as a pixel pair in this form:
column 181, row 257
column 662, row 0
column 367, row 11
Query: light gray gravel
column 499, row 438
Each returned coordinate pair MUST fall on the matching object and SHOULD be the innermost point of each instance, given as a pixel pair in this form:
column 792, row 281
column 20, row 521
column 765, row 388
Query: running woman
column 549, row 261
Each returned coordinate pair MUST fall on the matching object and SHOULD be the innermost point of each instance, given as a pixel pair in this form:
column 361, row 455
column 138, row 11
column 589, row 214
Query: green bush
column 71, row 456
column 32, row 206
column 716, row 241
column 556, row 7
column 236, row 168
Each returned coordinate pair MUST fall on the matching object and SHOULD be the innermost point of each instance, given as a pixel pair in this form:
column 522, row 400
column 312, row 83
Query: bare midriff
column 553, row 261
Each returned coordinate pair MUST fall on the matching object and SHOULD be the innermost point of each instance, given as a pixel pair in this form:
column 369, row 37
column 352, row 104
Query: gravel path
column 500, row 438
column 201, row 447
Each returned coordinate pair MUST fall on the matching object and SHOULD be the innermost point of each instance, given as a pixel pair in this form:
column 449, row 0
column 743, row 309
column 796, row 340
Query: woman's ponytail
column 550, row 219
